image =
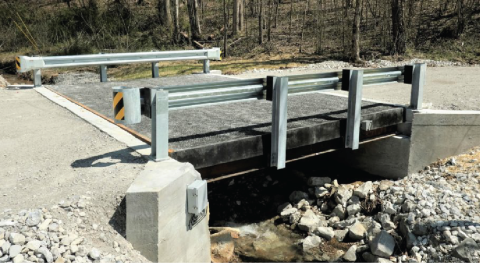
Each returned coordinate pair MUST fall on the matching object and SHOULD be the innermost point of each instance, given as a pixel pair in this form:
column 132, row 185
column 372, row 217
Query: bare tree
column 238, row 16
column 260, row 23
column 163, row 7
column 194, row 19
column 355, row 56
column 398, row 28
column 176, row 26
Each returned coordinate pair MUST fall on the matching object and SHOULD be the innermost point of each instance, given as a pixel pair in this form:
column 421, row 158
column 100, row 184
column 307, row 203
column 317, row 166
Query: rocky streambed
column 430, row 216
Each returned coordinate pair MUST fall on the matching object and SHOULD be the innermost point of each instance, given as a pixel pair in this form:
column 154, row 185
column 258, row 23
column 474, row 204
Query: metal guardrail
column 25, row 63
column 157, row 101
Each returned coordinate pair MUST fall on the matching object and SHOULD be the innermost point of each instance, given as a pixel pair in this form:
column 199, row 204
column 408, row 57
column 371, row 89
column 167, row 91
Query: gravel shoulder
column 51, row 160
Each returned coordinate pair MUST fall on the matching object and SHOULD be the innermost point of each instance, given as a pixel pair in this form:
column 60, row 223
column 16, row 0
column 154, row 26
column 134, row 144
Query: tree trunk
column 164, row 13
column 355, row 56
column 192, row 6
column 460, row 17
column 398, row 28
column 269, row 22
column 236, row 16
column 225, row 27
column 176, row 27
column 260, row 23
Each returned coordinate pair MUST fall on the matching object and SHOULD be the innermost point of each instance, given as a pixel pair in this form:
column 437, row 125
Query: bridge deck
column 221, row 134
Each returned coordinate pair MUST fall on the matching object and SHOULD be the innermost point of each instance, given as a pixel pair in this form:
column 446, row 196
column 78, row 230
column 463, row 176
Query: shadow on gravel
column 119, row 218
column 108, row 159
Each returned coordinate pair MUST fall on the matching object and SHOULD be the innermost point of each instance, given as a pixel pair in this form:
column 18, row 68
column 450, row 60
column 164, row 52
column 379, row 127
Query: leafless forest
column 350, row 30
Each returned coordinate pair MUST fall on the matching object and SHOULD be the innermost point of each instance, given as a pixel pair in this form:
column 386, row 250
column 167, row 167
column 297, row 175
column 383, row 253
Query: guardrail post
column 159, row 105
column 103, row 73
column 155, row 70
column 354, row 111
column 279, row 87
column 418, row 81
column 37, row 78
column 206, row 66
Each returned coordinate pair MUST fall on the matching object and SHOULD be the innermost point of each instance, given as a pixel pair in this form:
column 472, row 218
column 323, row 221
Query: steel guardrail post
column 354, row 110
column 159, row 116
column 206, row 66
column 279, row 91
column 418, row 81
column 155, row 73
column 37, row 78
column 103, row 73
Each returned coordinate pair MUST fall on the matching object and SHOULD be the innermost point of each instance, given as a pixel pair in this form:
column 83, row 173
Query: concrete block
column 437, row 134
column 157, row 217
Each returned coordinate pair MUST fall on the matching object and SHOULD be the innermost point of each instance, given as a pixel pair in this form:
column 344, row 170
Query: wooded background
column 353, row 30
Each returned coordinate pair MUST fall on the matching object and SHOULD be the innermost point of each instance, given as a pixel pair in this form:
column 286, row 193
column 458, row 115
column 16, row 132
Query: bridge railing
column 36, row 64
column 155, row 102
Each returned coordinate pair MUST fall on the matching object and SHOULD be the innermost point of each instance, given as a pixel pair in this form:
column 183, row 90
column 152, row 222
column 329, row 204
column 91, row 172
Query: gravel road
column 50, row 158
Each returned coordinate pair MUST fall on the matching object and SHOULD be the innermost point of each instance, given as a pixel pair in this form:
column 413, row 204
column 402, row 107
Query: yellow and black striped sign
column 118, row 106
column 17, row 63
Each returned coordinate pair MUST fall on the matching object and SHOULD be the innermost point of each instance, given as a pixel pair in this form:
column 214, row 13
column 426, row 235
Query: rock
column 357, row 231
column 2, row 233
column 16, row 239
column 3, row 82
column 14, row 251
column 387, row 224
column 321, row 192
column 466, row 250
column 60, row 260
column 297, row 196
column 222, row 246
column 340, row 234
column 311, row 242
column 385, row 185
column 339, row 211
column 284, row 206
column 350, row 255
column 94, row 253
column 285, row 214
column 420, row 229
column 318, row 181
column 369, row 257
column 387, row 207
column 46, row 254
column 18, row 259
column 44, row 224
column 5, row 247
column 4, row 258
column 342, row 195
column 383, row 244
column 325, row 232
column 352, row 210
column 363, row 190
column 309, row 221
column 34, row 218
column 34, row 245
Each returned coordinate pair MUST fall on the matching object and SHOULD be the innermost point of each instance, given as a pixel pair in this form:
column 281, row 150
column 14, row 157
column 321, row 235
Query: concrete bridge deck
column 221, row 138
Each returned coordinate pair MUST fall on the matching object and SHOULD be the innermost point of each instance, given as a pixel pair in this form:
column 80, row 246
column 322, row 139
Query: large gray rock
column 353, row 209
column 363, row 190
column 318, row 181
column 343, row 194
column 311, row 242
column 325, row 232
column 383, row 244
column 309, row 221
column 16, row 239
column 46, row 254
column 340, row 234
column 351, row 254
column 339, row 211
column 14, row 251
column 285, row 214
column 34, row 218
column 466, row 250
column 34, row 245
column 94, row 253
column 357, row 231
column 321, row 191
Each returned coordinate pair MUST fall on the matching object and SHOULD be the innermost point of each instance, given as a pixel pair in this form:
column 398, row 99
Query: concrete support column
column 157, row 217
column 103, row 73
column 37, row 78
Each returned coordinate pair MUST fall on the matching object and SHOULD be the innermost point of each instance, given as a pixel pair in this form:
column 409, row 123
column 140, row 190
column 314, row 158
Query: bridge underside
column 227, row 138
